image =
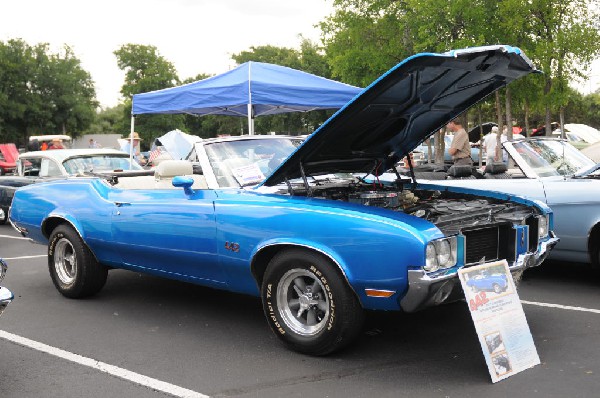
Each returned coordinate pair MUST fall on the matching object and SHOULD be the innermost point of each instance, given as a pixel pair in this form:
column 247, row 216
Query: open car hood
column 398, row 111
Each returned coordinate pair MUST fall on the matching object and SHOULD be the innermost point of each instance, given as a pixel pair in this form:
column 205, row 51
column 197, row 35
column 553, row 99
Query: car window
column 29, row 166
column 551, row 157
column 247, row 162
column 49, row 168
column 98, row 163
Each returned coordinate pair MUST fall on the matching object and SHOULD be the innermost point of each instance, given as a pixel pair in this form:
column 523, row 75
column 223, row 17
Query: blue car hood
column 398, row 111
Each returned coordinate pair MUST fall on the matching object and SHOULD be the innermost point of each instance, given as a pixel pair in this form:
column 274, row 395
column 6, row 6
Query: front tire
column 308, row 303
column 497, row 288
column 73, row 268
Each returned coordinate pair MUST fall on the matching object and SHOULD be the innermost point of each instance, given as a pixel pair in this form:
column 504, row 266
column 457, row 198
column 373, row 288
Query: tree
column 42, row 92
column 108, row 121
column 146, row 70
column 70, row 92
column 364, row 38
column 561, row 37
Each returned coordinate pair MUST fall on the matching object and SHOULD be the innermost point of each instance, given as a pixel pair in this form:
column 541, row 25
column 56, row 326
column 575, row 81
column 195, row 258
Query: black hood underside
column 401, row 109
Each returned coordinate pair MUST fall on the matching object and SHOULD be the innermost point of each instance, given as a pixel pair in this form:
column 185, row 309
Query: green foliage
column 363, row 38
column 42, row 92
column 146, row 70
column 108, row 121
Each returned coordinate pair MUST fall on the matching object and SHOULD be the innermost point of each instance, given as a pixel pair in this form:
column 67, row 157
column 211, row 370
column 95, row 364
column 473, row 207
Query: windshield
column 552, row 158
column 248, row 162
column 99, row 164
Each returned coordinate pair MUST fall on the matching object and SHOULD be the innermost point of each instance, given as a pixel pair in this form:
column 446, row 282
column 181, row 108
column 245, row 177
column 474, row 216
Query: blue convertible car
column 491, row 283
column 300, row 226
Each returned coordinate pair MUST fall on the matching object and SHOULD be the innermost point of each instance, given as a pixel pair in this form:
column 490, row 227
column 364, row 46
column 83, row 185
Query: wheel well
column 593, row 242
column 51, row 223
column 261, row 260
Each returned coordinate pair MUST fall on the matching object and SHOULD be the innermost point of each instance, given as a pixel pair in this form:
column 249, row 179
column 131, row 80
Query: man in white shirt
column 490, row 144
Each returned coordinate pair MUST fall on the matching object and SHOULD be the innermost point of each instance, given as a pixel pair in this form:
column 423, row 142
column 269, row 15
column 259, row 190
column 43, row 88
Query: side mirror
column 185, row 182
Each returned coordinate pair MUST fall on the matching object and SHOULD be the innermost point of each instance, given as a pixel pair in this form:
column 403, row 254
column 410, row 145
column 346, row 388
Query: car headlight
column 2, row 269
column 431, row 261
column 440, row 254
column 543, row 226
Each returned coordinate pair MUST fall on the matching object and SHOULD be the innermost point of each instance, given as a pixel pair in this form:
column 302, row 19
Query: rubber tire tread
column 90, row 275
column 349, row 314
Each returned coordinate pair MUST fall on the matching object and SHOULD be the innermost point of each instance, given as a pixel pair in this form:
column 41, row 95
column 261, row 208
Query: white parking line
column 13, row 237
column 24, row 257
column 125, row 374
column 562, row 307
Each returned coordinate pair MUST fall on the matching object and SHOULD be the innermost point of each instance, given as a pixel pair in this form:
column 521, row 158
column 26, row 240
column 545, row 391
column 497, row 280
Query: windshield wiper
column 585, row 172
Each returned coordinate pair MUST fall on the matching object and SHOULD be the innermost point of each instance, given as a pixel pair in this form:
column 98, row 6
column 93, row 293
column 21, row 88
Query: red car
column 8, row 158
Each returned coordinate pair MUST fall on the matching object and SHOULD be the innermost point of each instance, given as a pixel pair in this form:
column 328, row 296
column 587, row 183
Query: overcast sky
column 197, row 36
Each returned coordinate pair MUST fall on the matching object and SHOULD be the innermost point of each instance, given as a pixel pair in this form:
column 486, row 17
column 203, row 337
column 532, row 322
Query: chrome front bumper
column 424, row 291
column 6, row 297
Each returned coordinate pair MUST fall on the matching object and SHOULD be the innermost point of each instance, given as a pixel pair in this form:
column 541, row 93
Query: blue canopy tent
column 252, row 89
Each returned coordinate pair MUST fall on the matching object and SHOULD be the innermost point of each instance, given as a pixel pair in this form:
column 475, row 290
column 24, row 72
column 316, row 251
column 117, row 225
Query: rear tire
column 309, row 304
column 595, row 254
column 73, row 268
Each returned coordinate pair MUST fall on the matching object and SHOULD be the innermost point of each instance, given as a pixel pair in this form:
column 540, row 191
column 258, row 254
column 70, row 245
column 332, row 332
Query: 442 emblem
column 234, row 247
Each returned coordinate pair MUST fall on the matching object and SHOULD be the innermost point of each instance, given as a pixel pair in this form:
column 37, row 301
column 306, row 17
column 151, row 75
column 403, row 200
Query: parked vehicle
column 491, row 283
column 553, row 172
column 295, row 225
column 48, row 138
column 6, row 295
column 8, row 157
column 38, row 166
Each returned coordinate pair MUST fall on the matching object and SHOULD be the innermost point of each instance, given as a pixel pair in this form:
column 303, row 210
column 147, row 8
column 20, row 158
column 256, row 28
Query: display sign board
column 499, row 319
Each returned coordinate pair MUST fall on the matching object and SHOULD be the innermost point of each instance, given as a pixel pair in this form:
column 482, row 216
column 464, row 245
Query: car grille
column 489, row 244
column 532, row 222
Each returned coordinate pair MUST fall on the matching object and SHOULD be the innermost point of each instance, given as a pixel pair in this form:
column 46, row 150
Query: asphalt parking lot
column 148, row 337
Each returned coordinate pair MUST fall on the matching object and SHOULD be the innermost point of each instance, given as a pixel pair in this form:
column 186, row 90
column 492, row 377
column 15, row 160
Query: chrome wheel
column 65, row 261
column 303, row 303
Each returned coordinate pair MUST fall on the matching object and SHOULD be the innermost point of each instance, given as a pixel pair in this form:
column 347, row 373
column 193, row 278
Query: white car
column 38, row 166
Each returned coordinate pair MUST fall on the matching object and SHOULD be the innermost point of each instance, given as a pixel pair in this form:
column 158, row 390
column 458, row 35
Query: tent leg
column 131, row 141
column 250, row 120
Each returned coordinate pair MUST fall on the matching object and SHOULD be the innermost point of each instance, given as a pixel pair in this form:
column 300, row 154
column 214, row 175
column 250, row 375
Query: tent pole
column 131, row 141
column 250, row 116
column 250, row 120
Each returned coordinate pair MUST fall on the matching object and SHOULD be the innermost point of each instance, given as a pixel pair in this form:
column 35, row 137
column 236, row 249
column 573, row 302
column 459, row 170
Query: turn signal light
column 379, row 293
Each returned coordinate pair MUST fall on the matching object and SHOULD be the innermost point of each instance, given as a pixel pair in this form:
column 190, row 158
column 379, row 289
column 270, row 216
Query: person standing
column 56, row 144
column 33, row 145
column 135, row 143
column 460, row 148
column 490, row 143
